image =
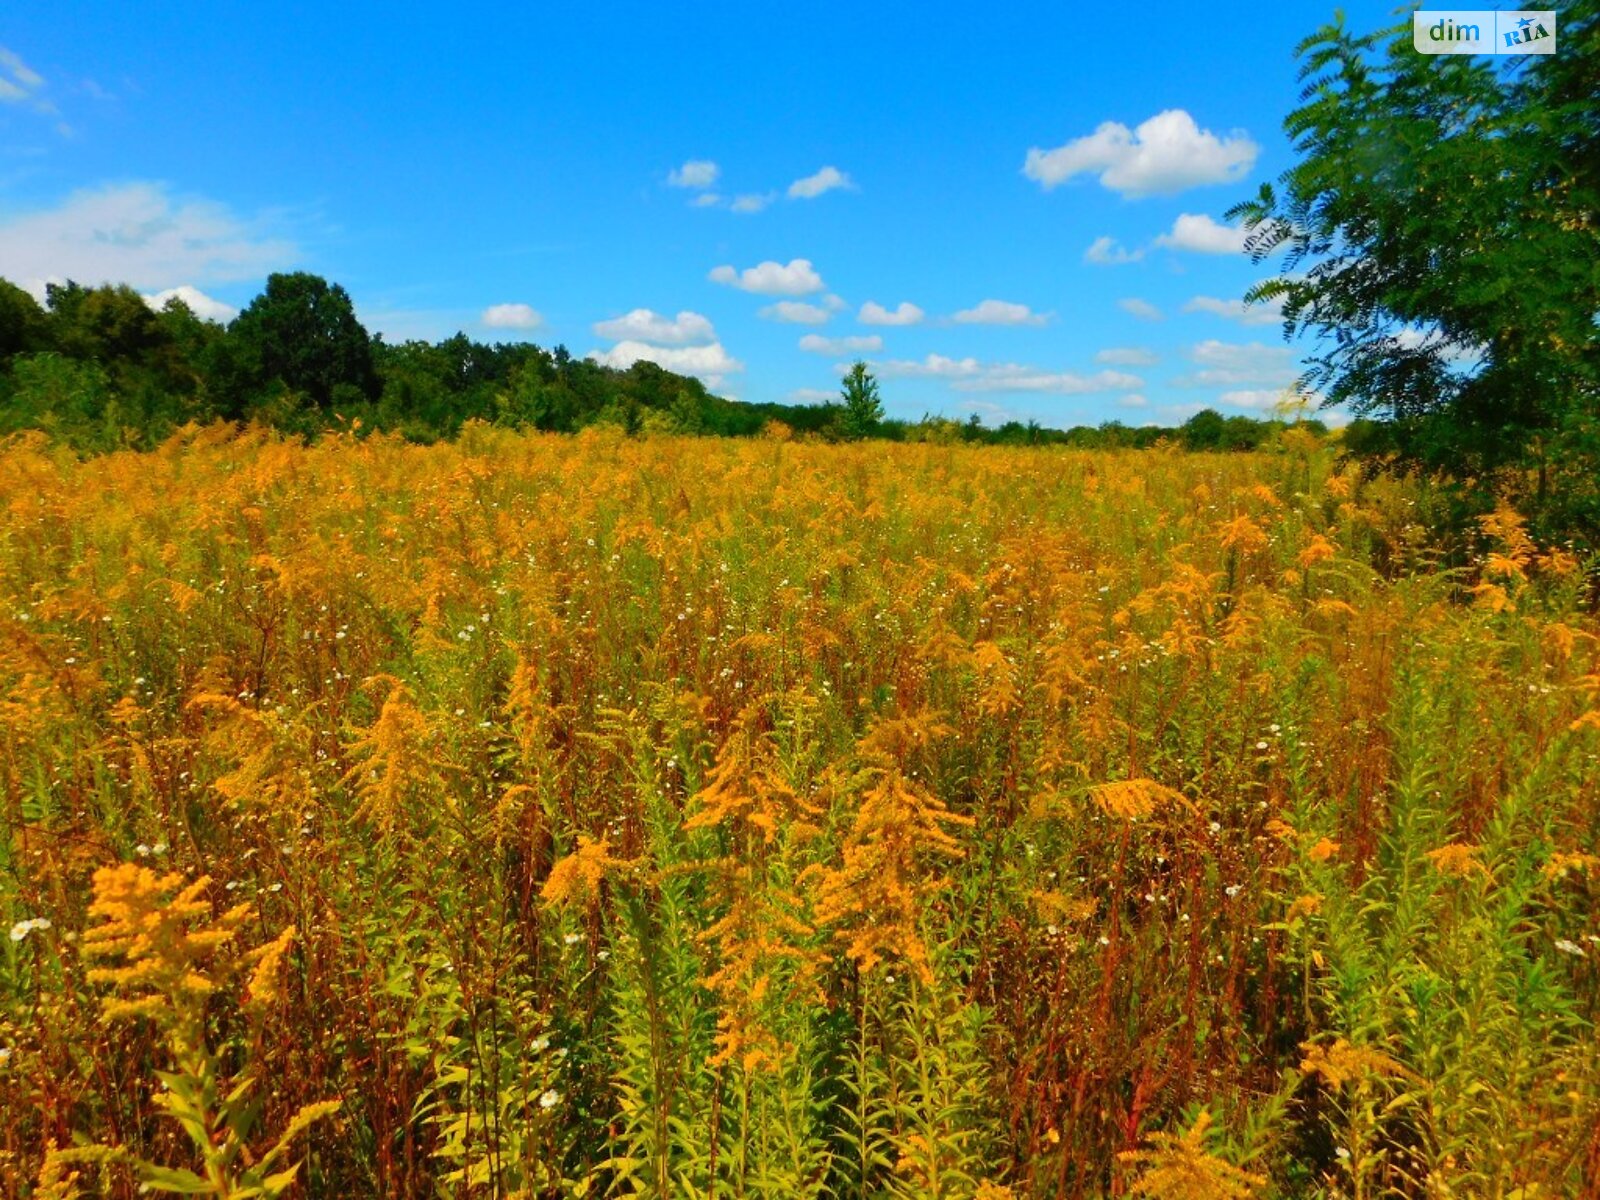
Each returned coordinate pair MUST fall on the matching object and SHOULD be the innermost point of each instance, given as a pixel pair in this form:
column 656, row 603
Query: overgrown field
column 594, row 816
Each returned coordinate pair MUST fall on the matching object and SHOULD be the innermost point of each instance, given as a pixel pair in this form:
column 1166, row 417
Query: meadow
column 536, row 816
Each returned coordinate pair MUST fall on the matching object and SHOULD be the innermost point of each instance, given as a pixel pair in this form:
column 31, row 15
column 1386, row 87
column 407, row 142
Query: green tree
column 111, row 325
column 303, row 332
column 861, row 410
column 68, row 397
column 1442, row 239
column 1204, row 430
column 23, row 325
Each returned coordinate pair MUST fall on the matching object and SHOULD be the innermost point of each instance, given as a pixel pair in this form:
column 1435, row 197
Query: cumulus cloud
column 645, row 325
column 207, row 307
column 751, row 202
column 1127, row 356
column 1201, row 234
column 1267, row 312
column 1193, row 232
column 873, row 313
column 797, row 312
column 770, row 278
column 1107, row 252
column 1239, row 365
column 934, row 366
column 812, row 186
column 1161, row 156
column 1142, row 309
column 1133, row 400
column 710, row 362
column 974, row 375
column 686, row 343
column 511, row 316
column 706, row 200
column 817, row 344
column 697, row 173
column 136, row 233
column 1000, row 312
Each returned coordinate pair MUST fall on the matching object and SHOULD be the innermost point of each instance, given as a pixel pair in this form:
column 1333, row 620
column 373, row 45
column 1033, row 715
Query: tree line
column 99, row 369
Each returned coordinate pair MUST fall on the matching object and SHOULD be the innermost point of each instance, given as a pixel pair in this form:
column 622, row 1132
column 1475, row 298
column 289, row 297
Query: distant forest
column 98, row 369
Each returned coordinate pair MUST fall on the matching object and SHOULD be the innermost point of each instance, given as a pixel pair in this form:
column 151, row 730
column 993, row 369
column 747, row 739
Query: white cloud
column 818, row 344
column 825, row 180
column 1190, row 231
column 18, row 81
column 1267, row 312
column 1000, row 312
column 751, row 202
column 710, row 362
column 972, row 375
column 1239, row 365
column 1107, row 251
column 934, row 366
column 1127, row 356
column 511, row 316
column 873, row 313
column 772, row 278
column 706, row 200
column 1201, row 234
column 1133, row 400
column 797, row 312
column 697, row 173
column 21, row 85
column 645, row 325
column 202, row 305
column 1010, row 378
column 1142, row 309
column 1162, row 156
column 137, row 234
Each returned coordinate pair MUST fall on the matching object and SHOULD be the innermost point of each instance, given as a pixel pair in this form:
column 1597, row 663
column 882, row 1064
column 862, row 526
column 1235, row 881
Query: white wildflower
column 23, row 928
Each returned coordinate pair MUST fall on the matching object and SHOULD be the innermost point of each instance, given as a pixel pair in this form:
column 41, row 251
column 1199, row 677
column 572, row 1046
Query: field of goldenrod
column 538, row 816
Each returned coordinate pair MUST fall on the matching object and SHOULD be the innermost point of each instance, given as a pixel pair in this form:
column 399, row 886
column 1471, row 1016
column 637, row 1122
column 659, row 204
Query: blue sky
column 724, row 188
